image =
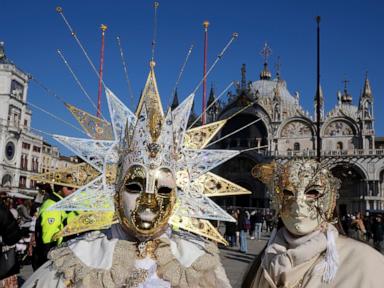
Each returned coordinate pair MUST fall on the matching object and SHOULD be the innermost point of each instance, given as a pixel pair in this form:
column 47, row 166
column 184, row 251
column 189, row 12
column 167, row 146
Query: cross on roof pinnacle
column 345, row 81
column 266, row 52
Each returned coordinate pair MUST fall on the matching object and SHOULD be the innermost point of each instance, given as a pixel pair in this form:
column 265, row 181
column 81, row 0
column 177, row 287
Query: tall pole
column 205, row 25
column 103, row 29
column 318, row 150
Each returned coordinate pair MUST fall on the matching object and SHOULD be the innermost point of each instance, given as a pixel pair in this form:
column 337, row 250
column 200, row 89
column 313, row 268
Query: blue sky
column 351, row 44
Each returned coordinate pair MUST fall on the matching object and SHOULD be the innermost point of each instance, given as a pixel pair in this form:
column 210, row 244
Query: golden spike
column 95, row 127
column 87, row 221
column 214, row 185
column 74, row 176
column 197, row 226
column 199, row 137
column 151, row 98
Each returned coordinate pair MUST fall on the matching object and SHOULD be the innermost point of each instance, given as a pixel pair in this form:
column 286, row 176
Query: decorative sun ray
column 199, row 161
column 93, row 152
column 180, row 120
column 151, row 97
column 120, row 115
column 196, row 205
column 95, row 127
column 199, row 137
column 213, row 185
column 95, row 196
column 87, row 221
column 81, row 174
column 198, row 226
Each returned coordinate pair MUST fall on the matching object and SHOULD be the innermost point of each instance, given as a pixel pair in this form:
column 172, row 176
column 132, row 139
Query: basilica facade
column 282, row 130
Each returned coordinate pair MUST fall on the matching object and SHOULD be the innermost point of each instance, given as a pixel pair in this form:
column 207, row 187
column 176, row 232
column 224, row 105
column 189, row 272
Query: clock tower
column 20, row 149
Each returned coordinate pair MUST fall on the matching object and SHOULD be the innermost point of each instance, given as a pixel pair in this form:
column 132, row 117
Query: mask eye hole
column 164, row 191
column 288, row 193
column 312, row 194
column 133, row 187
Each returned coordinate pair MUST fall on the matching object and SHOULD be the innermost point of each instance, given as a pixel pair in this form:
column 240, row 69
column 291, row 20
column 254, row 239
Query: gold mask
column 146, row 200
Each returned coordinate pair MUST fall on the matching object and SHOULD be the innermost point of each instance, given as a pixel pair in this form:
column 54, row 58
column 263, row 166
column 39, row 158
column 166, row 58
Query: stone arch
column 339, row 126
column 258, row 134
column 6, row 181
column 296, row 128
column 353, row 186
column 340, row 129
column 255, row 110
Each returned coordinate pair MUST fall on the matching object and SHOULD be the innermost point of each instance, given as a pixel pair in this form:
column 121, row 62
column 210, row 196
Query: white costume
column 308, row 250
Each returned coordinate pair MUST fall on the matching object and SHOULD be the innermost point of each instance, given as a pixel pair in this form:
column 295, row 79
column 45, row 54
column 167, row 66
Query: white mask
column 304, row 193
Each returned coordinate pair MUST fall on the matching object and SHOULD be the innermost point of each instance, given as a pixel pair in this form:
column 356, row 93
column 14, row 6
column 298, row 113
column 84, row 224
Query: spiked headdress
column 147, row 138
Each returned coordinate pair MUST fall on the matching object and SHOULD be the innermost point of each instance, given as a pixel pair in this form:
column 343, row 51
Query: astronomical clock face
column 10, row 150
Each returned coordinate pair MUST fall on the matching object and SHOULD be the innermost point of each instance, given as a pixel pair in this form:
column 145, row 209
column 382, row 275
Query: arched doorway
column 238, row 170
column 353, row 188
column 252, row 136
column 6, row 181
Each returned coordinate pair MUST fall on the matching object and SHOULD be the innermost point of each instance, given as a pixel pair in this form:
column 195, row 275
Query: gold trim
column 75, row 176
column 95, row 127
column 198, row 226
column 199, row 137
column 87, row 221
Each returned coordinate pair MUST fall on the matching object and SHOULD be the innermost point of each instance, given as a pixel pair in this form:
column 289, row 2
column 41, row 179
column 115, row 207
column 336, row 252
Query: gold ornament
column 74, row 176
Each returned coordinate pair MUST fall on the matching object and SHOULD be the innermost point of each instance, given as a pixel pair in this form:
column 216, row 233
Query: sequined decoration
column 95, row 127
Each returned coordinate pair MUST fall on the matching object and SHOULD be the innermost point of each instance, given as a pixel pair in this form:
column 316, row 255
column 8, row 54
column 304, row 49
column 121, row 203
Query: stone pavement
column 236, row 263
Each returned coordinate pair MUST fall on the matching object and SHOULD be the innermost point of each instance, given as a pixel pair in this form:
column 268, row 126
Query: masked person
column 307, row 250
column 154, row 175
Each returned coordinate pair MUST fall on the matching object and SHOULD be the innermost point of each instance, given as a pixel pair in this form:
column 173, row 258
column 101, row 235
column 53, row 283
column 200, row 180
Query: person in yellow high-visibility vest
column 50, row 222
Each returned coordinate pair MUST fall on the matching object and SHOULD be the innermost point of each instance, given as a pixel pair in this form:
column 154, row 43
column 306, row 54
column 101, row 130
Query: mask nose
column 148, row 200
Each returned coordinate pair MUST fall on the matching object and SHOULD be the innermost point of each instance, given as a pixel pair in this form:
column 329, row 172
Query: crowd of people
column 249, row 223
column 16, row 225
column 27, row 231
column 368, row 228
column 23, row 242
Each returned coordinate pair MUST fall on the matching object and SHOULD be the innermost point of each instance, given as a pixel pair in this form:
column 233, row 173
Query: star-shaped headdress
column 134, row 135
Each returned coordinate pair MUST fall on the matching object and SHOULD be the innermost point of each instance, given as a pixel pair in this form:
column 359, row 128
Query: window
column 26, row 146
column 296, row 146
column 36, row 166
column 17, row 90
column 22, row 181
column 25, row 123
column 24, row 162
column 36, row 149
column 339, row 146
column 6, row 181
column 32, row 184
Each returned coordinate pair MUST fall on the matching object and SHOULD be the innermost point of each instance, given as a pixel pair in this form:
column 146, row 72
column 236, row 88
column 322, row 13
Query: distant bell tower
column 213, row 106
column 366, row 115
